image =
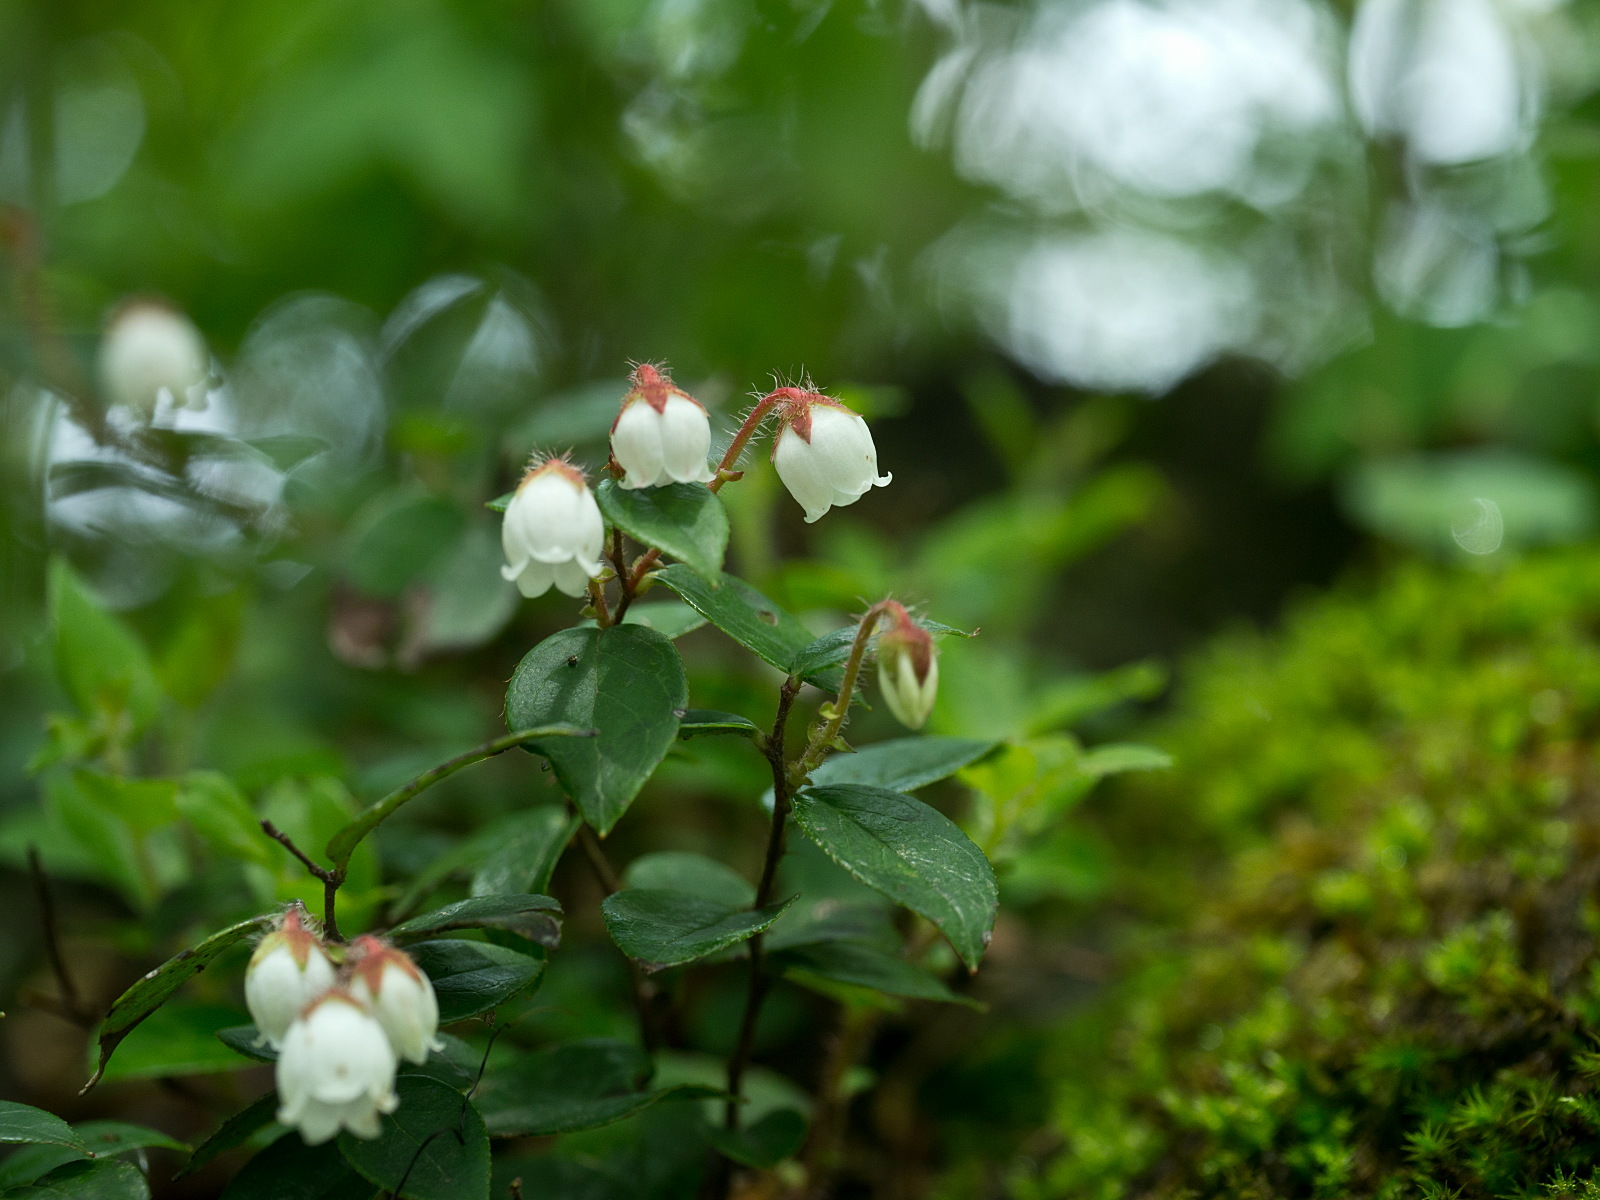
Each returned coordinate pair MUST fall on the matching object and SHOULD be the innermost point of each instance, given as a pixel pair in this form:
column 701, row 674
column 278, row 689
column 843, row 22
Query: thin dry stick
column 645, row 993
column 71, row 1006
column 330, row 879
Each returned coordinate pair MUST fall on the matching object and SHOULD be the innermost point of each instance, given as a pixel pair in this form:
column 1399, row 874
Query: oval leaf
column 862, row 965
column 144, row 997
column 911, row 853
column 627, row 683
column 433, row 1147
column 472, row 977
column 685, row 521
column 22, row 1124
column 660, row 928
column 904, row 764
column 681, row 871
column 535, row 917
column 748, row 617
column 235, row 1131
column 527, row 847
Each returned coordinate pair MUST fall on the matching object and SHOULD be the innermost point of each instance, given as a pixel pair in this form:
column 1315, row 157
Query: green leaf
column 683, row 520
column 527, row 847
column 500, row 503
column 628, row 684
column 537, row 918
column 144, row 997
column 746, row 616
column 218, row 812
column 291, row 1170
column 662, row 929
column 104, row 1139
column 23, row 1124
column 397, row 537
column 179, row 1038
column 568, row 1088
column 764, row 1144
column 680, row 871
column 103, row 666
column 1116, row 757
column 705, row 722
column 862, row 965
column 904, row 764
column 85, row 1180
column 434, row 1144
column 833, row 649
column 669, row 618
column 235, row 1131
column 247, row 1040
column 473, row 977
column 911, row 853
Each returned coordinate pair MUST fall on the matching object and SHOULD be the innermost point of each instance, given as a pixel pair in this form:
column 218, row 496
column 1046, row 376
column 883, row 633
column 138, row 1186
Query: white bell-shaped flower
column 662, row 435
column 908, row 669
column 288, row 971
column 553, row 533
column 399, row 995
column 336, row 1070
column 150, row 349
column 824, row 454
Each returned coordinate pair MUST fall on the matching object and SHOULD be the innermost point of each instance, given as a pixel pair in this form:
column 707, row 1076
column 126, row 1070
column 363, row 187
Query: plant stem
column 597, row 597
column 330, row 879
column 822, row 737
column 773, row 747
column 71, row 1007
column 822, row 1151
column 645, row 993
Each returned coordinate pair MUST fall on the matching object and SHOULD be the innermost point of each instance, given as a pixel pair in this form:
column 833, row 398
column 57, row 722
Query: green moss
column 1386, row 981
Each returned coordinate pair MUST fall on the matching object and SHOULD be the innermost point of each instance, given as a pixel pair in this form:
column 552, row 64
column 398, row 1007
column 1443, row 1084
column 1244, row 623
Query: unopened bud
column 288, row 971
column 662, row 435
column 553, row 532
column 908, row 668
column 824, row 453
column 150, row 349
column 399, row 995
column 336, row 1070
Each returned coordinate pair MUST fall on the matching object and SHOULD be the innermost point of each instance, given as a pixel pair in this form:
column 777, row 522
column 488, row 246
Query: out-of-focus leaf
column 525, row 851
column 399, row 537
column 21, row 1124
column 628, row 684
column 667, row 617
column 1070, row 700
column 862, row 965
column 248, row 1041
column 102, row 665
column 85, row 1180
column 1115, row 758
column 145, row 996
column 763, row 1144
column 472, row 977
column 180, row 1038
column 680, row 871
column 104, row 1140
column 685, row 521
column 464, row 602
column 433, row 1147
column 235, row 1131
column 218, row 812
column 662, row 929
column 911, row 853
column 291, row 1170
column 535, row 917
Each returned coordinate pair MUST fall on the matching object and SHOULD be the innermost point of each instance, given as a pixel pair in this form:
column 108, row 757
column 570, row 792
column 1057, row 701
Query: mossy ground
column 1364, row 905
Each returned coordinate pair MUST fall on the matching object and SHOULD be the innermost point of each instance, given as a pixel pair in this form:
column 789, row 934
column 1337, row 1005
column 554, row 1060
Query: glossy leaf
column 233, row 1132
column 904, row 764
column 291, row 1170
column 86, row 1179
column 860, row 964
column 685, row 521
column 705, row 722
column 763, row 1144
column 660, row 928
column 433, row 1147
column 680, row 871
column 580, row 1085
column 525, row 850
column 627, row 683
column 746, row 616
column 911, row 853
column 535, row 917
column 21, row 1124
column 144, row 997
column 103, row 1139
column 472, row 977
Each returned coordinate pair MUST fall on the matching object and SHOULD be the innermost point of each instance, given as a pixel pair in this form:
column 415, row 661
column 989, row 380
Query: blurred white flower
column 288, row 971
column 553, row 532
column 336, row 1070
column 399, row 995
column 824, row 453
column 662, row 435
column 150, row 350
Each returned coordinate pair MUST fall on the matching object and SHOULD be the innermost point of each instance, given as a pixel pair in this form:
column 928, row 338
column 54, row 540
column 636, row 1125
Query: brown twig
column 70, row 1006
column 646, row 996
column 331, row 879
column 822, row 1151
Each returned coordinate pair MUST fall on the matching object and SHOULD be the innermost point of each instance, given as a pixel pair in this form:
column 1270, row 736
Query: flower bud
column 662, row 435
column 908, row 668
column 288, row 971
column 336, row 1070
column 553, row 532
column 399, row 995
column 824, row 453
column 150, row 348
